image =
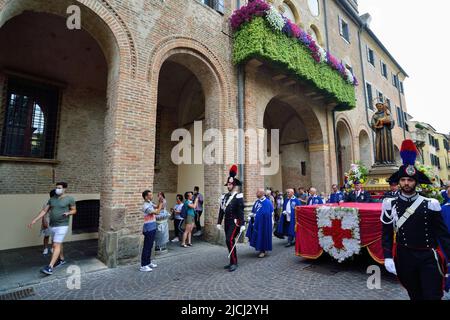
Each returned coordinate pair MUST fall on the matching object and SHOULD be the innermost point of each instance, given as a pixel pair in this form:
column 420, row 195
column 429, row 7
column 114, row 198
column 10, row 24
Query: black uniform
column 391, row 194
column 420, row 266
column 364, row 197
column 234, row 219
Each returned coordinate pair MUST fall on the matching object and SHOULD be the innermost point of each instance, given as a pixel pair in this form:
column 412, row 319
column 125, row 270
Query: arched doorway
column 60, row 80
column 295, row 165
column 190, row 96
column 398, row 159
column 365, row 149
column 181, row 103
column 344, row 146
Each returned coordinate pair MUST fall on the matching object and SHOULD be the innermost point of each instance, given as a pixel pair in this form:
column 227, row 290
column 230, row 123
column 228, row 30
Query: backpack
column 183, row 212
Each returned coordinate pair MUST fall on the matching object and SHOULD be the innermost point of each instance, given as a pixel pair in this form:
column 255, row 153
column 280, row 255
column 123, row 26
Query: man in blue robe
column 314, row 199
column 446, row 217
column 259, row 230
column 286, row 225
column 336, row 196
column 446, row 194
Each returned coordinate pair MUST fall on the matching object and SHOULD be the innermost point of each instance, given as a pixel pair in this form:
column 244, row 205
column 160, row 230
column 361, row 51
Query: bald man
column 286, row 225
column 259, row 230
column 314, row 199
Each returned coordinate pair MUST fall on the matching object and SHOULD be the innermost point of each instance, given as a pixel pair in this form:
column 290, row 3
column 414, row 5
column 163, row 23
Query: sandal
column 184, row 246
column 189, row 244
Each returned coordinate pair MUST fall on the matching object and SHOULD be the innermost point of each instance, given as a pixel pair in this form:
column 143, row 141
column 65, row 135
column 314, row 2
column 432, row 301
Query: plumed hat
column 408, row 153
column 232, row 177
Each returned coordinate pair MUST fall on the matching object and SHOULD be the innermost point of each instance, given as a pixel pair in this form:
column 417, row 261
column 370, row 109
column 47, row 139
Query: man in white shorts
column 61, row 207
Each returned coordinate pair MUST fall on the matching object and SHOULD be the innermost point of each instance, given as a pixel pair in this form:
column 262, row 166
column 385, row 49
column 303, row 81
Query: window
column 303, row 168
column 380, row 96
column 87, row 218
column 401, row 87
column 388, row 101
column 215, row 4
column 437, row 145
column 401, row 122
column 394, row 80
column 349, row 67
column 315, row 33
column 30, row 120
column 314, row 7
column 369, row 95
column 344, row 29
column 371, row 56
column 384, row 71
column 405, row 119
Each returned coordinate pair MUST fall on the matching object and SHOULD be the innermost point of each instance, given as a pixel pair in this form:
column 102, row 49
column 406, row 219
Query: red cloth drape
column 307, row 239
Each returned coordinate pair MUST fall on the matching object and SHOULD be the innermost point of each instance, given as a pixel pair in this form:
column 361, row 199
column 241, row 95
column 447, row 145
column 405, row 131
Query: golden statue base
column 377, row 177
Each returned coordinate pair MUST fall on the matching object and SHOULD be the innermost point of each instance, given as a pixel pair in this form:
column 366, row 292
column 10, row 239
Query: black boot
column 227, row 266
column 233, row 267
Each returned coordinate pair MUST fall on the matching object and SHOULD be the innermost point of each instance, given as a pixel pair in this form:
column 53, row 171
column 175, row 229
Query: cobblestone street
column 197, row 273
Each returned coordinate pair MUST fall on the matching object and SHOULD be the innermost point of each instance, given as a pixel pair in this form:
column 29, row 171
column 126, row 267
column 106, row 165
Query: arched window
column 315, row 34
column 288, row 12
column 314, row 7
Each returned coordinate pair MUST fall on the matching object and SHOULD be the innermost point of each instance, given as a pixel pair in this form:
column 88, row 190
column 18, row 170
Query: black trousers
column 149, row 238
column 177, row 224
column 418, row 272
column 198, row 214
column 231, row 232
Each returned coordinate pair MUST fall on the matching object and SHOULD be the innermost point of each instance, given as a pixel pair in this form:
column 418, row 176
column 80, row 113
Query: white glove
column 219, row 227
column 284, row 212
column 242, row 228
column 249, row 218
column 390, row 266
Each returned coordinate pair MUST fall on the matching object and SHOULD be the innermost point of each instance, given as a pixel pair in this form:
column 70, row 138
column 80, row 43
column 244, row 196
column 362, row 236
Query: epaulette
column 239, row 196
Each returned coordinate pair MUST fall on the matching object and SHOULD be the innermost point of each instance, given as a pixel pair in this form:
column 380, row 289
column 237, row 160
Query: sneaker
column 198, row 233
column 59, row 262
column 47, row 270
column 45, row 252
column 174, row 240
column 261, row 255
column 232, row 268
column 152, row 265
column 145, row 269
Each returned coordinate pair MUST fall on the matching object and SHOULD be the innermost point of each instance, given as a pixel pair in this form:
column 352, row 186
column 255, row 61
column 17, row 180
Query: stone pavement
column 197, row 273
column 20, row 267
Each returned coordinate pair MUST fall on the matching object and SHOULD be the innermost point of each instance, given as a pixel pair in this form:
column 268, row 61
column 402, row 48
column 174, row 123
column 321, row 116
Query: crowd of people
column 273, row 213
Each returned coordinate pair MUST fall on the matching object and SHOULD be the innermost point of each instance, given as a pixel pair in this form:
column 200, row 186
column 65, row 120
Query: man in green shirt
column 60, row 208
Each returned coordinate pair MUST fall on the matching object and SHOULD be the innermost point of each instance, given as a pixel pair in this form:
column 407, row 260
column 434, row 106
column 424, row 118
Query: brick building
column 96, row 107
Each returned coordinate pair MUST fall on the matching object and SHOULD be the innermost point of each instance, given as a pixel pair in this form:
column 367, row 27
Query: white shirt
column 288, row 209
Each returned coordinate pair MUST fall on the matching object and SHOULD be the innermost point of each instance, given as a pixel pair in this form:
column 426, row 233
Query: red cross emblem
column 337, row 233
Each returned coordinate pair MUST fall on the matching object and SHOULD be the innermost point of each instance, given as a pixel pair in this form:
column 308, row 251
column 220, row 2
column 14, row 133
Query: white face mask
column 59, row 191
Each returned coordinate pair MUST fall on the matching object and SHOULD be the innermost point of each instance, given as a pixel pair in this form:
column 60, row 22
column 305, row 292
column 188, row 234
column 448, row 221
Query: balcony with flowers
column 261, row 32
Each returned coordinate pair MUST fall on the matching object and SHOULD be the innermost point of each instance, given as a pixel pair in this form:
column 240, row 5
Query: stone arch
column 303, row 111
column 174, row 45
column 119, row 33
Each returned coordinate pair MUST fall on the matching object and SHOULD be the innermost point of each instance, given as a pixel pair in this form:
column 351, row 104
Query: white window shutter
column 341, row 31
